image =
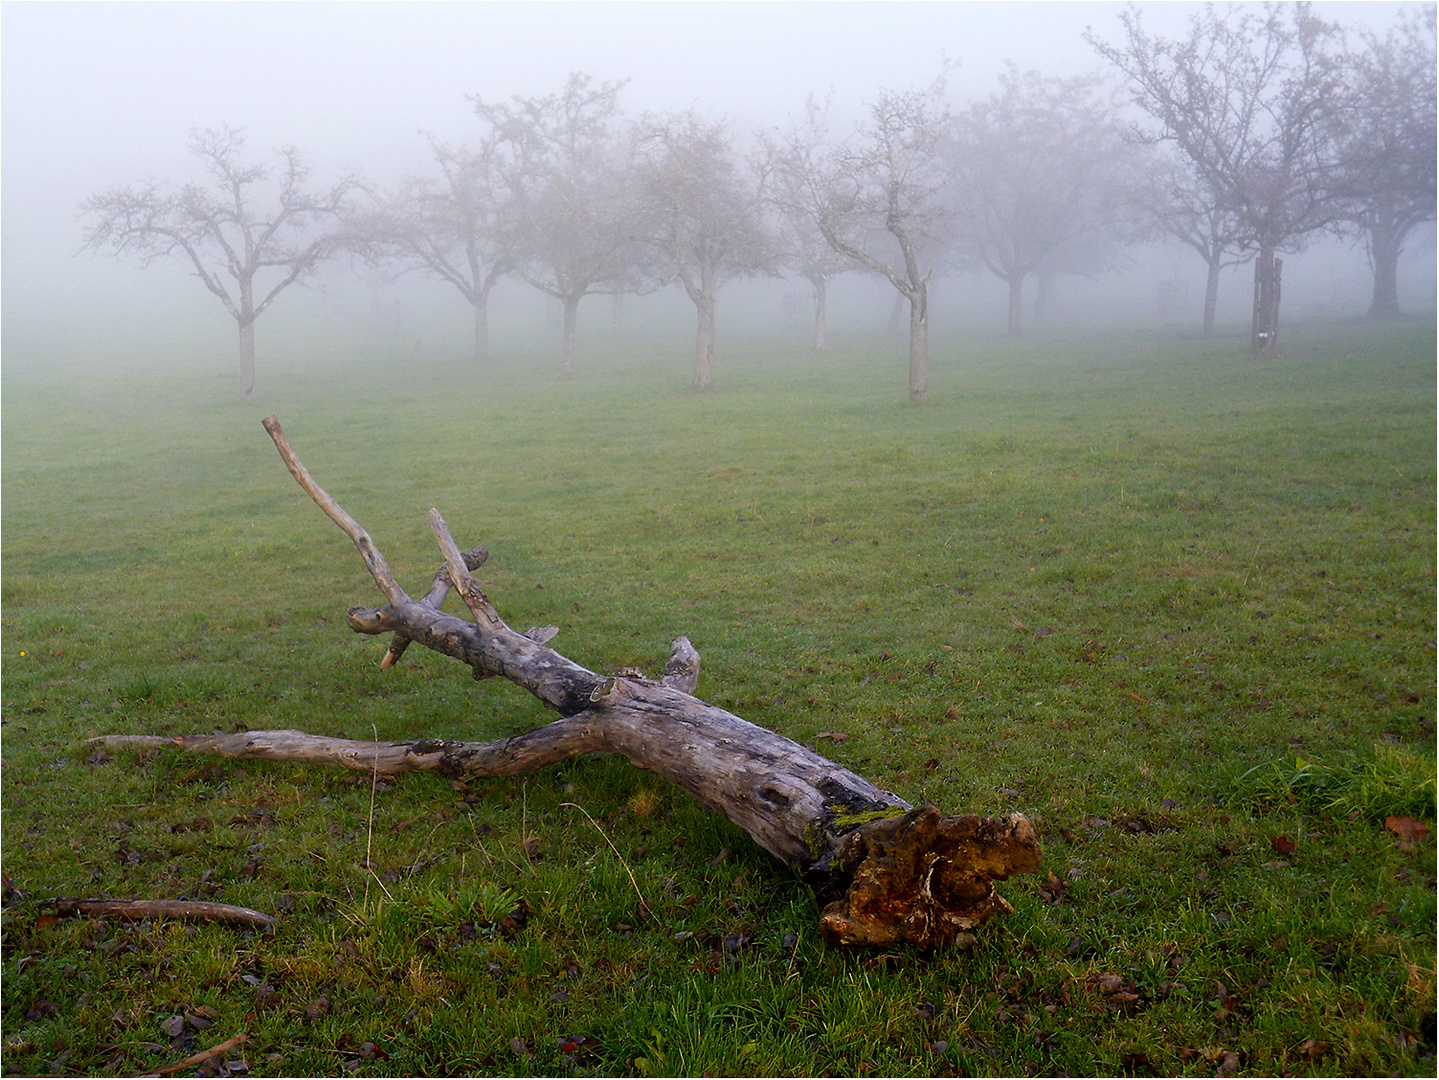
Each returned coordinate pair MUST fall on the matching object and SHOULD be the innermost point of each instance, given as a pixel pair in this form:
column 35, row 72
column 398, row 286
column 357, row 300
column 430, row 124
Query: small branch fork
column 379, row 569
column 884, row 871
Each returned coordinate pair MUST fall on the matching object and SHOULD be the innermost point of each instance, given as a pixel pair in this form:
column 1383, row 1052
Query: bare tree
column 701, row 214
column 799, row 245
column 880, row 200
column 1251, row 102
column 565, row 163
column 1038, row 168
column 803, row 248
column 457, row 226
column 246, row 253
column 1388, row 146
column 1184, row 206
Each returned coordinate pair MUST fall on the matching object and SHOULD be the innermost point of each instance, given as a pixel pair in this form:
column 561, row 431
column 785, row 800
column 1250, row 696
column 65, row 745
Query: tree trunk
column 1016, row 304
column 1384, row 248
column 1211, row 289
column 884, row 872
column 1043, row 290
column 704, row 379
column 919, row 343
column 821, row 314
column 482, row 330
column 1267, row 274
column 567, row 340
column 247, row 359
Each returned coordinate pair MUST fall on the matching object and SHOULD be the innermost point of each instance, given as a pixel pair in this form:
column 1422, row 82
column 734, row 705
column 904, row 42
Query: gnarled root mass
column 884, row 871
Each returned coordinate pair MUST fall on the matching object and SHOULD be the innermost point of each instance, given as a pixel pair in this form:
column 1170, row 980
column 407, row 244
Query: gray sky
column 94, row 95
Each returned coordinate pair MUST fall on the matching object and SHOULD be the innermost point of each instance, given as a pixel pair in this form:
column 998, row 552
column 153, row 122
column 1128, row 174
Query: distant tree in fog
column 1251, row 102
column 880, row 199
column 248, row 235
column 1039, row 169
column 1186, row 207
column 565, row 160
column 799, row 245
column 457, row 226
column 1086, row 255
column 700, row 215
column 802, row 248
column 1388, row 145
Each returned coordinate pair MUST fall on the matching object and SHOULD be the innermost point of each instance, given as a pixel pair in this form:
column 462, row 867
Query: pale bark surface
column 884, row 871
column 821, row 312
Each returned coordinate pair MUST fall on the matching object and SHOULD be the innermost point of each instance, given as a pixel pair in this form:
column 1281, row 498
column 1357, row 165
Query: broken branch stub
column 884, row 871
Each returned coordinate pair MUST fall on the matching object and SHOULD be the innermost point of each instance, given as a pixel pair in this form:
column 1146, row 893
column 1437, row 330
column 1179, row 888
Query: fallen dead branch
column 883, row 870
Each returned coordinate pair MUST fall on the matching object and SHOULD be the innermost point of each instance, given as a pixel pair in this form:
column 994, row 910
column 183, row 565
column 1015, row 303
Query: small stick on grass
column 195, row 1059
column 194, row 910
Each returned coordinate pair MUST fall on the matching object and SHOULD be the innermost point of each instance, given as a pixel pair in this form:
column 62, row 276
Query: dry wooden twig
column 192, row 910
column 203, row 1055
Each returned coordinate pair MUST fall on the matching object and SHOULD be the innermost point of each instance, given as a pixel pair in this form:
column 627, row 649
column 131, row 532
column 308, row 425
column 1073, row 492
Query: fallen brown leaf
column 1052, row 890
column 1406, row 828
column 837, row 736
column 1283, row 845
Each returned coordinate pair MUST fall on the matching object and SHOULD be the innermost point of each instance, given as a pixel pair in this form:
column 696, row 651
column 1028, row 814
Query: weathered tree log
column 883, row 870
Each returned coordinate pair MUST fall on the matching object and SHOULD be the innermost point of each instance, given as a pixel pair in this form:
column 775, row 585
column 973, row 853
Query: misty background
column 94, row 96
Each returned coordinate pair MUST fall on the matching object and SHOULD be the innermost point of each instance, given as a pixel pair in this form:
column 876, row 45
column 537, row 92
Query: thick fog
column 96, row 96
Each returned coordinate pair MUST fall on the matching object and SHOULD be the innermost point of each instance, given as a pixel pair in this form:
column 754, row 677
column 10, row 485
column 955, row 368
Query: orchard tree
column 1039, row 167
column 800, row 247
column 1252, row 102
column 880, row 200
column 456, row 225
column 565, row 161
column 249, row 234
column 782, row 166
column 700, row 214
column 1388, row 146
column 1186, row 208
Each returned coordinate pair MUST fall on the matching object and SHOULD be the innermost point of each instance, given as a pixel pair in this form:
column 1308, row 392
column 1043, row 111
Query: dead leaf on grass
column 1228, row 1062
column 1283, row 845
column 1406, row 828
column 1227, row 1003
column 1051, row 891
column 1138, row 1064
column 837, row 736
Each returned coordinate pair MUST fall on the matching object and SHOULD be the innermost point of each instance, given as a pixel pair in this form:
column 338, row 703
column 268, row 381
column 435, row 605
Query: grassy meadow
column 1175, row 604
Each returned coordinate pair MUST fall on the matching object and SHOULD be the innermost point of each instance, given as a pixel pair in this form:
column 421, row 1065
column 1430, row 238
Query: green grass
column 1174, row 604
